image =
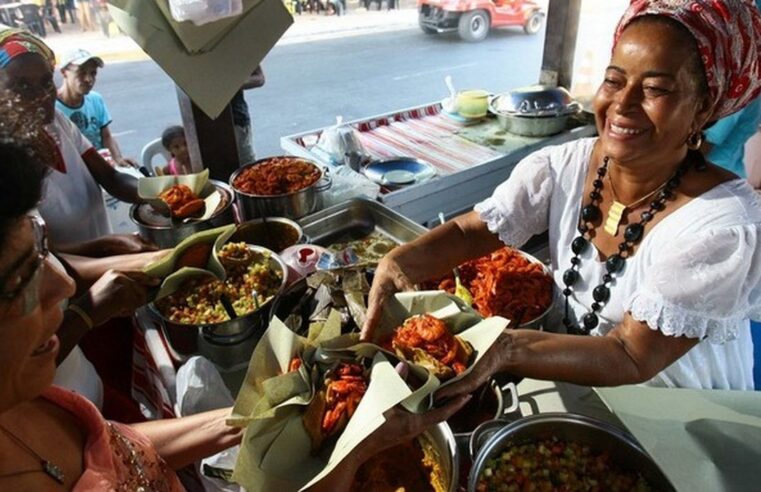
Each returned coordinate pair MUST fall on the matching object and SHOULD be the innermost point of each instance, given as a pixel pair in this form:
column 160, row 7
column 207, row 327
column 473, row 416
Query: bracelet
column 82, row 314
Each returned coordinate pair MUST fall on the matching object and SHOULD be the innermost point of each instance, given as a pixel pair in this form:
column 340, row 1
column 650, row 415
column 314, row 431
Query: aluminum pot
column 291, row 205
column 487, row 404
column 186, row 340
column 534, row 111
column 268, row 233
column 601, row 436
column 443, row 443
column 169, row 235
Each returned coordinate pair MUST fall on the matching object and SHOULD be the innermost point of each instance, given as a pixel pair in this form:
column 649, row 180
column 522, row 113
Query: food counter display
column 469, row 158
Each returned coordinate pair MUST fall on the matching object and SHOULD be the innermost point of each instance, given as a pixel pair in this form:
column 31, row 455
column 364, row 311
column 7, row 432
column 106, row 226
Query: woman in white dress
column 667, row 292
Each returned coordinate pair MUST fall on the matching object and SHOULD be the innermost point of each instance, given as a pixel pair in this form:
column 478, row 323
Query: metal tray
column 357, row 218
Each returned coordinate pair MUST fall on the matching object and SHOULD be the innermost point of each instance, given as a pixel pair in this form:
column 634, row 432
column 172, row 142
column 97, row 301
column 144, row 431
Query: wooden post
column 211, row 143
column 560, row 42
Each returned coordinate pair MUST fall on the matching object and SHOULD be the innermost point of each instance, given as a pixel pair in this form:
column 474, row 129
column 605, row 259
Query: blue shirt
column 728, row 137
column 90, row 117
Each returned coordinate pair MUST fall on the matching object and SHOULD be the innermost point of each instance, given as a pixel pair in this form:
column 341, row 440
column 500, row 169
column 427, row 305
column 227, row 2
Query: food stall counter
column 470, row 159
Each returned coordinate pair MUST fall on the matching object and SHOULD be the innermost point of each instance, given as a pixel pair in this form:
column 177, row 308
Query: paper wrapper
column 174, row 278
column 276, row 449
column 149, row 189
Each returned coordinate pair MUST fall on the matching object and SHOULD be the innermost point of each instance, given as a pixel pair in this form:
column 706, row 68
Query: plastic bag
column 201, row 12
column 348, row 184
column 339, row 140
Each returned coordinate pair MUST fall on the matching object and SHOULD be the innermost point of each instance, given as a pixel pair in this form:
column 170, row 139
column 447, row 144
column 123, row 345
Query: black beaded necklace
column 615, row 263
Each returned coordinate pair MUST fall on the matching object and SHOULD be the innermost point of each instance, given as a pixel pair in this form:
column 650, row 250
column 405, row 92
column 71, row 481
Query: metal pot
column 534, row 111
column 292, row 205
column 254, row 232
column 490, row 398
column 601, row 436
column 538, row 322
column 186, row 340
column 168, row 235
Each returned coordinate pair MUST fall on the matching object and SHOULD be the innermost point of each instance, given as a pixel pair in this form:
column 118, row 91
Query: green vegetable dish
column 554, row 465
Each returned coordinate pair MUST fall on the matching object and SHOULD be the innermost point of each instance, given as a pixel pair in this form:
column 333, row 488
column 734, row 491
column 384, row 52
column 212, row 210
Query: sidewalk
column 306, row 28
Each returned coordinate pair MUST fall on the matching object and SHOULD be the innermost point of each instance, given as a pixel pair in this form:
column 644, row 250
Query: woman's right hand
column 117, row 294
column 389, row 279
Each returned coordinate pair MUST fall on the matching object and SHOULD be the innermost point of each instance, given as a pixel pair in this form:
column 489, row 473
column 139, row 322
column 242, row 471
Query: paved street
column 310, row 83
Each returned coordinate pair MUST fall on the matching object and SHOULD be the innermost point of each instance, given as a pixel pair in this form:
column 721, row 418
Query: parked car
column 472, row 19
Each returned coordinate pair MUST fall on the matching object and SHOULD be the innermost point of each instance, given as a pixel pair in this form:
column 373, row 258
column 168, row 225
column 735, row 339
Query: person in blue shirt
column 85, row 107
column 724, row 143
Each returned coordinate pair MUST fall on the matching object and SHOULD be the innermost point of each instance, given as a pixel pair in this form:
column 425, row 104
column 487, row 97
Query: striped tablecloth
column 426, row 134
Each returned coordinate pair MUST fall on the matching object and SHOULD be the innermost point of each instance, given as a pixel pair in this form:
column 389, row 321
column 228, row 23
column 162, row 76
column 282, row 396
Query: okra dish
column 198, row 301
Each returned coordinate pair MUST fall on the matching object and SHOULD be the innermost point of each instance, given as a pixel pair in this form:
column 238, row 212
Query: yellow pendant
column 615, row 212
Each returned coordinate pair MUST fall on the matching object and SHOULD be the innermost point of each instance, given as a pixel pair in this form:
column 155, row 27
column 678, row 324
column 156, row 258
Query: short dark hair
column 170, row 134
column 21, row 176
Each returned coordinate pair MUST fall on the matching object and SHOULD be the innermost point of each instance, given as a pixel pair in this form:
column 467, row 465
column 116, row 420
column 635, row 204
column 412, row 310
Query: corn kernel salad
column 197, row 302
column 554, row 465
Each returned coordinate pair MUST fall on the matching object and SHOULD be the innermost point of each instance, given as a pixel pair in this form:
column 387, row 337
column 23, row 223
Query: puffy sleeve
column 520, row 207
column 705, row 286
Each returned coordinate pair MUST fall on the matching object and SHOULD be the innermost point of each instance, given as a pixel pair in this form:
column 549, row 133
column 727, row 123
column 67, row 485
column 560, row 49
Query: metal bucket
column 291, row 205
column 170, row 235
column 601, row 436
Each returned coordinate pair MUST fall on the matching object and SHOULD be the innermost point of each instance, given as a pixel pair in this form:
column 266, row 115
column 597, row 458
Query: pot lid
column 535, row 100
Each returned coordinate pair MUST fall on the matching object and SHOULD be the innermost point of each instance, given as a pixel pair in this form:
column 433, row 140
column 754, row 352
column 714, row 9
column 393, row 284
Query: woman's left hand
column 490, row 364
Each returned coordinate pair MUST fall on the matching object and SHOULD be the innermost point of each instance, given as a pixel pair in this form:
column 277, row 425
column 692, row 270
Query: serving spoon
column 459, row 290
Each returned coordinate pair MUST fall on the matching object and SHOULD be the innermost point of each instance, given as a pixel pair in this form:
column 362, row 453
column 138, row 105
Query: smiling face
column 80, row 79
column 31, row 78
column 650, row 102
column 30, row 318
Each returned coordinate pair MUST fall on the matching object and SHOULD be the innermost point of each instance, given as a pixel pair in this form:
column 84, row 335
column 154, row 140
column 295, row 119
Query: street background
column 357, row 65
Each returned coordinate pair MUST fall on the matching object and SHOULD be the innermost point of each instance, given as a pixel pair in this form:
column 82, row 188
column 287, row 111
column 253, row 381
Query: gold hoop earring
column 695, row 140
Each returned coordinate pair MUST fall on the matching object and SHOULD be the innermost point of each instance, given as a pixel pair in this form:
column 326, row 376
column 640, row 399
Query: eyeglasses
column 28, row 288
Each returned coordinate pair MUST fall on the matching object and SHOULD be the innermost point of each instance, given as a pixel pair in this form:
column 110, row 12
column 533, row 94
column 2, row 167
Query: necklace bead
column 578, row 245
column 607, row 278
column 633, row 232
column 591, row 321
column 593, row 195
column 601, row 293
column 590, row 213
column 570, row 277
column 646, row 216
column 614, row 264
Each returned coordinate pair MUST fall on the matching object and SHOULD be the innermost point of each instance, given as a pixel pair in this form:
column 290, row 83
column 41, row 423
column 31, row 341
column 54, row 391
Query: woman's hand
column 402, row 426
column 116, row 294
column 491, row 363
column 389, row 279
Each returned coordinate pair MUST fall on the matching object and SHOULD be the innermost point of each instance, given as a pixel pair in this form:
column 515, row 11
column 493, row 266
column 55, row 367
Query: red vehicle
column 473, row 19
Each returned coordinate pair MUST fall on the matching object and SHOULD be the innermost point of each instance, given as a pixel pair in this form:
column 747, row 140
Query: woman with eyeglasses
column 51, row 438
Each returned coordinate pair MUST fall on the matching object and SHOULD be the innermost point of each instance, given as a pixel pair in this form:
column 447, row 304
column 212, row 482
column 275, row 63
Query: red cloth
column 728, row 35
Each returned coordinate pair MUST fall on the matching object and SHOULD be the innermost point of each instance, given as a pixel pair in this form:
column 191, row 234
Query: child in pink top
column 173, row 140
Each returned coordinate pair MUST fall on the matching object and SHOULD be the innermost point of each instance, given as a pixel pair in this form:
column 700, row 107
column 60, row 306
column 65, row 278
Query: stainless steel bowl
column 184, row 338
column 254, row 232
column 538, row 322
column 532, row 126
column 292, row 205
column 168, row 235
column 601, row 436
column 443, row 443
column 489, row 396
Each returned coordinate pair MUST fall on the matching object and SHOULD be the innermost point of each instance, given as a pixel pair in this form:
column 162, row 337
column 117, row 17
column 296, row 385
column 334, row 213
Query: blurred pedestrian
column 242, row 118
column 85, row 12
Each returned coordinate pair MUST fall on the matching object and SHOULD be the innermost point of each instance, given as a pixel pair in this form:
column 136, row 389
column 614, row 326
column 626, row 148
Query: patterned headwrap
column 16, row 42
column 728, row 35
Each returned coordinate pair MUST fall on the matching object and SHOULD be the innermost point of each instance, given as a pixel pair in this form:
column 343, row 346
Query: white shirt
column 697, row 273
column 72, row 202
column 76, row 372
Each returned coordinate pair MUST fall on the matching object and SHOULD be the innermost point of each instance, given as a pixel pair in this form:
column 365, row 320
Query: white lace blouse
column 697, row 273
